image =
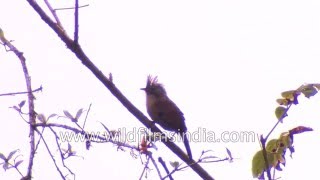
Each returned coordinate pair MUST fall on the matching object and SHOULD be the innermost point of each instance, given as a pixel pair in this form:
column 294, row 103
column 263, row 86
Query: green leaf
column 258, row 163
column 282, row 102
column 281, row 112
column 272, row 145
column 309, row 90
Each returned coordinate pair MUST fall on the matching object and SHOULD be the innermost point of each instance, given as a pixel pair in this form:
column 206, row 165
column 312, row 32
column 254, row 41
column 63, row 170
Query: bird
column 163, row 111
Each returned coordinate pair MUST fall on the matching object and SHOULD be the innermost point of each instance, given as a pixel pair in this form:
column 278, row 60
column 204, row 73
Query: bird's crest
column 154, row 86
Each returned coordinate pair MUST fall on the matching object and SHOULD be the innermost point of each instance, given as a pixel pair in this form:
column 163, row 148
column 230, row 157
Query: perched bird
column 164, row 111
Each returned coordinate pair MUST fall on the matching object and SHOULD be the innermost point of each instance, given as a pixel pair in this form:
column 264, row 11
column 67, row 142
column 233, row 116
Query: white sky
column 223, row 63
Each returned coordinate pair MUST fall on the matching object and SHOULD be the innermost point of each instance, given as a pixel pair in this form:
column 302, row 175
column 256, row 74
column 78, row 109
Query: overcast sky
column 224, row 63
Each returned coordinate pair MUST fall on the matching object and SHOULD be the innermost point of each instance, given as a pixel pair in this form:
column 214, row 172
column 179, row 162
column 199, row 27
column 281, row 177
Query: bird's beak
column 143, row 89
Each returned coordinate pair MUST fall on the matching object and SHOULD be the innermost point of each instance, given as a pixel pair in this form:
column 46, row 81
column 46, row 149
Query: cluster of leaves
column 291, row 97
column 7, row 164
column 277, row 148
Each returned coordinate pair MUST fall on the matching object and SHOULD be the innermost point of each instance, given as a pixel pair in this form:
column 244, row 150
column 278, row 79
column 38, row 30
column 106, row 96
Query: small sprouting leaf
column 22, row 103
column 281, row 112
column 11, row 154
column 309, row 91
column 18, row 163
column 16, row 108
column 42, row 118
column 80, row 111
column 51, row 116
column 3, row 157
column 282, row 102
column 68, row 114
column 229, row 154
column 299, row 129
column 175, row 164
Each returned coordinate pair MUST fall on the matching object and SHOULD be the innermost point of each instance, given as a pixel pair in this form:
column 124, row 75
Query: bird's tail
column 186, row 144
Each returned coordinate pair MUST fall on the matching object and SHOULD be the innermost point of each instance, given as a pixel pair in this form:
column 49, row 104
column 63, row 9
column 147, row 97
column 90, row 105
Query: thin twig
column 264, row 140
column 144, row 168
column 165, row 167
column 58, row 9
column 85, row 120
column 51, row 155
column 15, row 93
column 53, row 13
column 76, row 22
column 60, row 152
column 155, row 164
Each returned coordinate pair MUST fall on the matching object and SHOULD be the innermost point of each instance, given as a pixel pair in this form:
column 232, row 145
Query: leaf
column 79, row 113
column 16, row 108
column 22, row 103
column 18, row 163
column 41, row 118
column 11, row 154
column 3, row 157
column 291, row 95
column 66, row 113
column 281, row 112
column 229, row 154
column 51, row 116
column 300, row 129
column 175, row 164
column 309, row 91
column 258, row 163
column 272, row 145
column 69, row 116
column 283, row 102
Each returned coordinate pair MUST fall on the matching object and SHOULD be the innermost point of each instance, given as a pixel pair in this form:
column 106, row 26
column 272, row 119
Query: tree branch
column 114, row 90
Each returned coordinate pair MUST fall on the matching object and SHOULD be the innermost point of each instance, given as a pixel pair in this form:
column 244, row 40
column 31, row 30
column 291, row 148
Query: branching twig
column 51, row 155
column 32, row 114
column 145, row 168
column 60, row 152
column 264, row 140
column 165, row 167
column 155, row 164
column 53, row 13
